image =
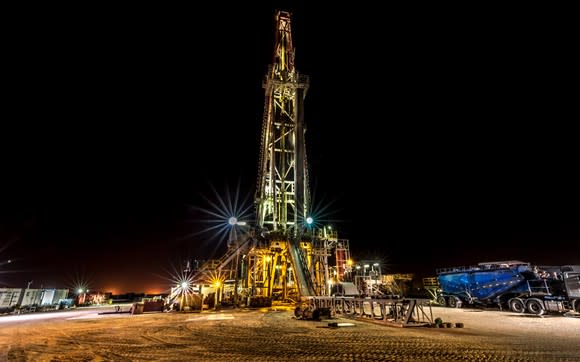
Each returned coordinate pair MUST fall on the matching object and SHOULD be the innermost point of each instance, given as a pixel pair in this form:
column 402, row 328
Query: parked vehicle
column 514, row 285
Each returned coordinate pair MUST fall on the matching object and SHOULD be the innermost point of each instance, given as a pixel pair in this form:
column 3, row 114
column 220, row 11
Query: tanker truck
column 514, row 285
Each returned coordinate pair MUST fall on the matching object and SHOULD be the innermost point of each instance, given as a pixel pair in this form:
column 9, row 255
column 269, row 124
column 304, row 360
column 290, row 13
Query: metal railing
column 403, row 312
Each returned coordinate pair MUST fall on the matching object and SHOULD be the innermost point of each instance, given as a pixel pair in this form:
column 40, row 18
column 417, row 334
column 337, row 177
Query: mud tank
column 514, row 285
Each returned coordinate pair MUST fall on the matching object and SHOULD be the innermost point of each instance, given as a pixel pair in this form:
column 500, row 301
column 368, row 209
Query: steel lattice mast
column 282, row 198
column 282, row 195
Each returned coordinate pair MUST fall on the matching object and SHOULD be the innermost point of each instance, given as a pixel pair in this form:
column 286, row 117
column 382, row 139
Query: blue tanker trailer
column 516, row 285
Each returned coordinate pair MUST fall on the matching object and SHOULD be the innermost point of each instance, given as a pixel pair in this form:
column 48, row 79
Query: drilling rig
column 282, row 197
column 284, row 257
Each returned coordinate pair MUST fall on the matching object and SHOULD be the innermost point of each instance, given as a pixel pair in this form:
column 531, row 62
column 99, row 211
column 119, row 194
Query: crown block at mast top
column 283, row 68
column 284, row 51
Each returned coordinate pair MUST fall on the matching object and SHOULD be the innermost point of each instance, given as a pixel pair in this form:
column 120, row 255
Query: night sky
column 435, row 139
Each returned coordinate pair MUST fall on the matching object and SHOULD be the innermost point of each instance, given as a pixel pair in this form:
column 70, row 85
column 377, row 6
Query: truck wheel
column 441, row 301
column 535, row 307
column 454, row 302
column 517, row 306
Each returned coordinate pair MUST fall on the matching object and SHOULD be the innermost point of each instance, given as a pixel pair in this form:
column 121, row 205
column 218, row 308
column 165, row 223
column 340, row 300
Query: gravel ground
column 275, row 335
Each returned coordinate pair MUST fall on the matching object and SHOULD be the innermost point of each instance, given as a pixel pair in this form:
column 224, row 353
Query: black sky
column 440, row 138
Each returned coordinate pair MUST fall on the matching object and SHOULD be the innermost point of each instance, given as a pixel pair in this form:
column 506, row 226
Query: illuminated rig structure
column 284, row 256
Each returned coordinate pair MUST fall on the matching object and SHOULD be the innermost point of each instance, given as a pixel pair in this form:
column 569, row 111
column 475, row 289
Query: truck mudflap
column 576, row 305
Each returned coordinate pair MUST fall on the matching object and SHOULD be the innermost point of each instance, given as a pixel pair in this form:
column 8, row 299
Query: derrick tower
column 282, row 257
column 282, row 193
column 282, row 197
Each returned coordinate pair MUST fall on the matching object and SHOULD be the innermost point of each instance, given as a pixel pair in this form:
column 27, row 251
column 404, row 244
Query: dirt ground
column 275, row 335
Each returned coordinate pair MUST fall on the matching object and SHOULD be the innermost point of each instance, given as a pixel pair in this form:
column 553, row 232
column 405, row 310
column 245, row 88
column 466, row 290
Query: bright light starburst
column 227, row 217
column 79, row 284
column 320, row 214
column 182, row 286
